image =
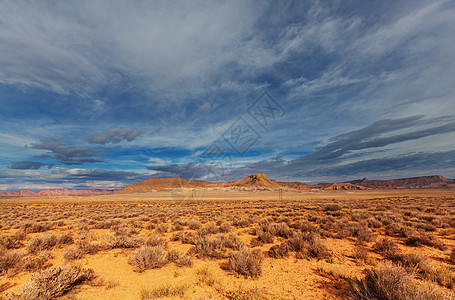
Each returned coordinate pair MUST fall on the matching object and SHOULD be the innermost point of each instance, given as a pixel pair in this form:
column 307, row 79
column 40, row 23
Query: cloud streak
column 28, row 165
column 67, row 154
column 113, row 135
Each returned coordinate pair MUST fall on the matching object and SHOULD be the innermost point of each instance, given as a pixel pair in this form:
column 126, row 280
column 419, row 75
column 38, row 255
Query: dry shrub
column 225, row 227
column 162, row 228
column 148, row 258
column 156, row 240
column 73, row 253
column 305, row 226
column 317, row 249
column 361, row 231
column 420, row 239
column 264, row 237
column 194, row 224
column 184, row 237
column 180, row 259
column 123, row 230
column 247, row 262
column 173, row 255
column 11, row 241
column 184, row 261
column 55, row 282
column 279, row 251
column 33, row 263
column 47, row 241
column 215, row 247
column 37, row 227
column 241, row 222
column 332, row 207
column 42, row 242
column 391, row 282
column 308, row 244
column 452, row 255
column 280, row 229
column 9, row 259
column 80, row 249
column 88, row 247
column 209, row 228
column 386, row 247
column 112, row 241
column 360, row 253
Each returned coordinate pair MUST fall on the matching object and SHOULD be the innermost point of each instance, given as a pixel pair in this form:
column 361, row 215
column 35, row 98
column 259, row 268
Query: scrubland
column 338, row 245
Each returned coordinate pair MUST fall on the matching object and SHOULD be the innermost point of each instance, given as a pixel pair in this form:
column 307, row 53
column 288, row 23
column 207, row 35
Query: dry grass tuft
column 164, row 291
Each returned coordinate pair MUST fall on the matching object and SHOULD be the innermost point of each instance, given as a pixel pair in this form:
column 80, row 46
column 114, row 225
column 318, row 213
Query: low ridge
column 258, row 180
column 433, row 181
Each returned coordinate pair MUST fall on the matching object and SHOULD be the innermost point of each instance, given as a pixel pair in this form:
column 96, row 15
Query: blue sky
column 102, row 94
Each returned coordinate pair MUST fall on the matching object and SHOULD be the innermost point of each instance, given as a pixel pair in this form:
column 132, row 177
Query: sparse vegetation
column 405, row 236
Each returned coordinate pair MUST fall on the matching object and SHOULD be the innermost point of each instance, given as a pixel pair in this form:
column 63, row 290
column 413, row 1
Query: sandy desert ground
column 230, row 244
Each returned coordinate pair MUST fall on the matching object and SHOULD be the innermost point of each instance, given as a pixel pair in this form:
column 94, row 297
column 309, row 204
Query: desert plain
column 227, row 244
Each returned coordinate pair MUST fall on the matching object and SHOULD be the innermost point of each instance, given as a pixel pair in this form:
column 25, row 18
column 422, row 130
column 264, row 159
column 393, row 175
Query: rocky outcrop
column 256, row 180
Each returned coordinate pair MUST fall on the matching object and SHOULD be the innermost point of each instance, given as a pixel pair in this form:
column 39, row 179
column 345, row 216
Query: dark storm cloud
column 28, row 165
column 67, row 154
column 113, row 135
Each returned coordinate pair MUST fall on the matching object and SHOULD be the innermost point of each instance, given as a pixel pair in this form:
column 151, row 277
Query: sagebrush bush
column 279, row 251
column 420, row 239
column 11, row 241
column 308, row 245
column 73, row 253
column 391, row 282
column 47, row 241
column 35, row 262
column 215, row 247
column 148, row 258
column 247, row 262
column 42, row 242
column 112, row 241
column 156, row 240
column 55, row 282
column 194, row 224
column 281, row 229
column 9, row 259
column 184, row 261
column 386, row 247
column 452, row 255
